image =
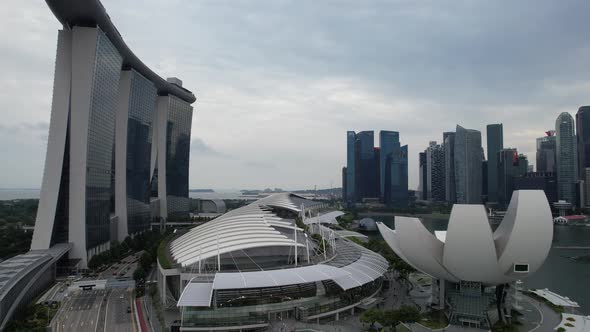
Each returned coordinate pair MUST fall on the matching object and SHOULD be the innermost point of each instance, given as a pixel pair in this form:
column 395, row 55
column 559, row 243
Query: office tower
column 99, row 115
column 393, row 166
column 545, row 181
column 508, row 169
column 495, row 140
column 377, row 174
column 449, row 147
column 583, row 140
column 523, row 165
column 435, row 156
column 351, row 161
column 344, row 189
column 362, row 166
column 566, row 157
column 546, row 150
column 468, row 157
column 423, row 174
column 367, row 181
column 484, row 180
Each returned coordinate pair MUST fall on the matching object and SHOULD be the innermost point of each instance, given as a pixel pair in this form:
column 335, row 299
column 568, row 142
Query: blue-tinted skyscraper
column 566, row 157
column 351, row 160
column 468, row 158
column 367, row 184
column 394, row 169
column 449, row 148
column 495, row 139
column 583, row 140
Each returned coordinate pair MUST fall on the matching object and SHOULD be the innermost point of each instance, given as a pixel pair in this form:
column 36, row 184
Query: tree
column 139, row 274
column 371, row 316
column 408, row 314
column 146, row 259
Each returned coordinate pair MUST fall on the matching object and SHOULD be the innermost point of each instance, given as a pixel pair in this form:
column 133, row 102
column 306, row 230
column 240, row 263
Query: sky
column 278, row 83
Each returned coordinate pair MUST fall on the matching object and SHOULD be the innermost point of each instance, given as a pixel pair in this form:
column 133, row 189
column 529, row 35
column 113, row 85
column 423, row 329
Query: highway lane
column 80, row 311
column 117, row 318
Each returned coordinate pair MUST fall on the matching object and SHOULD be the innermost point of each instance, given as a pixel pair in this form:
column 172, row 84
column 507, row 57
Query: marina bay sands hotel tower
column 119, row 139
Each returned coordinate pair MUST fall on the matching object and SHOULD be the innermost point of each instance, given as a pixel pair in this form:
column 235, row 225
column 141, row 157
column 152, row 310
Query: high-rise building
column 495, row 140
column 367, row 184
column 393, row 166
column 546, row 150
column 362, row 166
column 523, row 165
column 423, row 174
column 583, row 140
column 435, row 156
column 508, row 169
column 484, row 180
column 102, row 122
column 566, row 157
column 545, row 181
column 344, row 184
column 351, row 162
column 449, row 147
column 133, row 135
column 468, row 157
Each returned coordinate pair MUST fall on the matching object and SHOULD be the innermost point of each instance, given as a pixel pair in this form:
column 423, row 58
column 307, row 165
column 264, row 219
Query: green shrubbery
column 391, row 318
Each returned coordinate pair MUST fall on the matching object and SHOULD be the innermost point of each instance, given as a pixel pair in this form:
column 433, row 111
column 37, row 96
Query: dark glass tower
column 566, row 157
column 583, row 140
column 393, row 169
column 495, row 140
column 351, row 160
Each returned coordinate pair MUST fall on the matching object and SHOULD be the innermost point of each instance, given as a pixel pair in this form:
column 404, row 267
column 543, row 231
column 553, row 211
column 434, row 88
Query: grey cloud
column 200, row 148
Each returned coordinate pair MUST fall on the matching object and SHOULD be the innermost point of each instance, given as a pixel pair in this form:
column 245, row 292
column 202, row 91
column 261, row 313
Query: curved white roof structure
column 251, row 226
column 470, row 251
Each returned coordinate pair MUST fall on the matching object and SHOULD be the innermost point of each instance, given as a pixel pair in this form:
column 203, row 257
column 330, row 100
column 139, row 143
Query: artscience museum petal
column 473, row 264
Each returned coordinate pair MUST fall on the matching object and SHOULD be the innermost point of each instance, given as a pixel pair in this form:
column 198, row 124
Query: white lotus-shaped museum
column 470, row 251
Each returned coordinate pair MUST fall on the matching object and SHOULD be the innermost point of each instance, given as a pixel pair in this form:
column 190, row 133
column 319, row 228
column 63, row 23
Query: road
column 125, row 268
column 95, row 310
column 80, row 311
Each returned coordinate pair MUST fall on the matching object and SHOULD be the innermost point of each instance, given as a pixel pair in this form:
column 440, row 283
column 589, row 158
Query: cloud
column 199, row 148
column 280, row 83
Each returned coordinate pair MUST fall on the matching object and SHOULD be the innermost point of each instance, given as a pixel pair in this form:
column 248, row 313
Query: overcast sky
column 279, row 83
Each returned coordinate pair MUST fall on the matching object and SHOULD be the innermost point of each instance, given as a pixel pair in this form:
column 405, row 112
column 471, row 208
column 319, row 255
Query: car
column 128, row 309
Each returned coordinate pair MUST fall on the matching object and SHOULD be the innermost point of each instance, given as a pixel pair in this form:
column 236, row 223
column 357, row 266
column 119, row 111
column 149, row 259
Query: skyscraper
column 449, row 147
column 101, row 123
column 546, row 149
column 495, row 140
column 367, row 182
column 362, row 168
column 566, row 157
column 393, row 169
column 133, row 135
column 508, row 169
column 468, row 158
column 523, row 165
column 351, row 161
column 435, row 156
column 583, row 140
column 423, row 175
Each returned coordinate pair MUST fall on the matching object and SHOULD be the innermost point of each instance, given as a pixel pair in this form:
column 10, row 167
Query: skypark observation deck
column 91, row 13
column 253, row 263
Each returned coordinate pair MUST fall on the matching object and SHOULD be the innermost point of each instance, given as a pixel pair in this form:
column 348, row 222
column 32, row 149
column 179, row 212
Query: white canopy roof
column 328, row 218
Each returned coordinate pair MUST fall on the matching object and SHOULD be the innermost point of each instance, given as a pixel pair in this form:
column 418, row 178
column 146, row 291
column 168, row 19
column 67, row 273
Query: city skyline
column 547, row 81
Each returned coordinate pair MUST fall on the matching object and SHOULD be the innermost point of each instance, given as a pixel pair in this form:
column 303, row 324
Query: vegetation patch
column 35, row 318
column 434, row 320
